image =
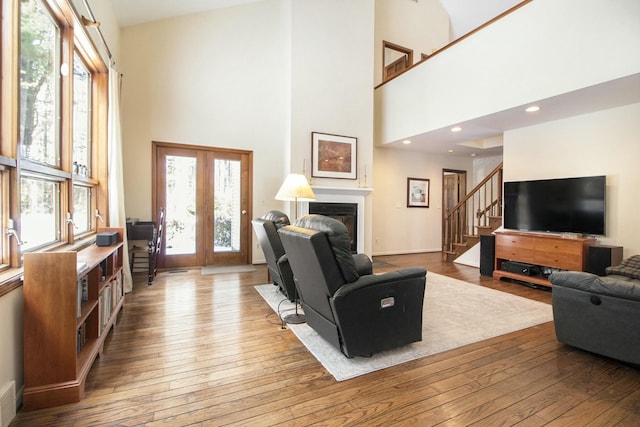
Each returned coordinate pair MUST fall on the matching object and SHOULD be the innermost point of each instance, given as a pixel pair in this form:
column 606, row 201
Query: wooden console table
column 543, row 250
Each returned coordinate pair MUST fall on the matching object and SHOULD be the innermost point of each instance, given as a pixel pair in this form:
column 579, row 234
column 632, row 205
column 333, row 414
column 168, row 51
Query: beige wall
column 421, row 26
column 213, row 79
column 259, row 77
column 534, row 54
column 601, row 143
column 104, row 13
column 397, row 228
column 11, row 365
column 332, row 81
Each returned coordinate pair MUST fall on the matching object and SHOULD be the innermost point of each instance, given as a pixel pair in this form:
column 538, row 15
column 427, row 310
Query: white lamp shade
column 295, row 187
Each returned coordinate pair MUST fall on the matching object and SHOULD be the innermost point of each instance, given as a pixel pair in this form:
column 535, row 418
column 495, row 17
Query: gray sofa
column 600, row 314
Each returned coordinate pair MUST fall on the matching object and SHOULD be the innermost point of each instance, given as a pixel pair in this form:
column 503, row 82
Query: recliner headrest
column 280, row 219
column 339, row 239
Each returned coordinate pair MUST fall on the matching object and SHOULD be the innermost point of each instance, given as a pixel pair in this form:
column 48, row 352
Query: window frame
column 89, row 123
column 74, row 39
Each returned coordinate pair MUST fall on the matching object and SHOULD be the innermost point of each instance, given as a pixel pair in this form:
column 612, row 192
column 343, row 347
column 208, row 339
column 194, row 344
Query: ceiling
column 481, row 136
column 132, row 12
column 465, row 14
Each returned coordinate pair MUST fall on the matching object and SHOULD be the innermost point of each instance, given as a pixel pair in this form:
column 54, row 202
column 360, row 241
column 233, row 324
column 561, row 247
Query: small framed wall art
column 333, row 156
column 417, row 193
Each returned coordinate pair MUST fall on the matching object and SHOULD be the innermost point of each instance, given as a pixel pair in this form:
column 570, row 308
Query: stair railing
column 472, row 213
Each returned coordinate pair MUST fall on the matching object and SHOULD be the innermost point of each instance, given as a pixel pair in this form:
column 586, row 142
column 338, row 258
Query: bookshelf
column 71, row 301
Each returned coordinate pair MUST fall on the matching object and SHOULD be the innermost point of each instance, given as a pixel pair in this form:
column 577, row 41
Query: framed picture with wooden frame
column 333, row 156
column 417, row 193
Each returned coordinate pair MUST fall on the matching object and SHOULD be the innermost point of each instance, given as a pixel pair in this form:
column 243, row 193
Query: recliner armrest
column 378, row 279
column 364, row 266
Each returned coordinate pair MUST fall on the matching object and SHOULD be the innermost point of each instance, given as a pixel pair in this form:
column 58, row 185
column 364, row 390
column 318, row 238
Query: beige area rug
column 219, row 269
column 456, row 313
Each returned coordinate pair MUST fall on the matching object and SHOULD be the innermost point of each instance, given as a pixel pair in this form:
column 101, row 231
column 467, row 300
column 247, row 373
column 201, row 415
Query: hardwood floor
column 207, row 350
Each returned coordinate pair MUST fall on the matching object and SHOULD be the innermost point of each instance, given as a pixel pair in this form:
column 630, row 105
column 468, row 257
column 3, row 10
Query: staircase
column 478, row 213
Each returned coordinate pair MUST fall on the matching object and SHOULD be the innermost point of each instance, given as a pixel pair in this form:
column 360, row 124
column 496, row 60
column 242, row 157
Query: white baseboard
column 7, row 403
column 416, row 251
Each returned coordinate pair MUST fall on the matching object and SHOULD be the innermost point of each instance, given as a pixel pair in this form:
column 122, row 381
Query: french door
column 206, row 193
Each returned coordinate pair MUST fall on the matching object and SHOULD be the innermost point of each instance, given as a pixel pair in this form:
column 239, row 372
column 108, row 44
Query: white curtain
column 117, row 216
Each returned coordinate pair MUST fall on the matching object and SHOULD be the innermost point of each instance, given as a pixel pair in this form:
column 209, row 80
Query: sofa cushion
column 614, row 286
column 630, row 267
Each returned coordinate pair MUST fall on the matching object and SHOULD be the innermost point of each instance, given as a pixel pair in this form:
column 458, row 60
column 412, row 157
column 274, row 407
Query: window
column 40, row 212
column 83, row 201
column 4, row 258
column 40, row 98
column 40, row 49
column 81, row 117
column 82, row 219
column 53, row 129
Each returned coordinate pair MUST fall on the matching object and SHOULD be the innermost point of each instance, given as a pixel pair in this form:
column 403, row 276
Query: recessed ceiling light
column 406, row 142
column 532, row 109
column 456, row 129
column 473, row 154
column 451, row 151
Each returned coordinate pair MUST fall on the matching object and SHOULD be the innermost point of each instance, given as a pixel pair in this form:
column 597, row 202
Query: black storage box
column 107, row 238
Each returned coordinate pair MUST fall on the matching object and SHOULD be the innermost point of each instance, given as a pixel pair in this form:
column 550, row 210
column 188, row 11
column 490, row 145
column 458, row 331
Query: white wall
column 422, row 26
column 104, row 13
column 397, row 228
column 483, row 166
column 11, row 364
column 213, row 79
column 332, row 84
column 258, row 77
column 601, row 143
column 543, row 49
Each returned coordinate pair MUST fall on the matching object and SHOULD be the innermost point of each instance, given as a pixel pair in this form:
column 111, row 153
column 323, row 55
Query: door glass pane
column 39, row 212
column 227, row 208
column 180, row 221
column 39, row 83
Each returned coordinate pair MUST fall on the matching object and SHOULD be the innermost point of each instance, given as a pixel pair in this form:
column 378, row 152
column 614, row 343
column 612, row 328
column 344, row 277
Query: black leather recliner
column 266, row 228
column 361, row 314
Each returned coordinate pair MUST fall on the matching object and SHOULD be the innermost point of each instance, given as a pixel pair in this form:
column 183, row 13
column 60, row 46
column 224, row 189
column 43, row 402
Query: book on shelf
column 83, row 294
column 81, row 337
column 116, row 286
column 104, row 307
column 103, row 270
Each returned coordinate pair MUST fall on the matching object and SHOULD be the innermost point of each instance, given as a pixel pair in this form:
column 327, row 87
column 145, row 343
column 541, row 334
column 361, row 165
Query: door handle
column 244, row 212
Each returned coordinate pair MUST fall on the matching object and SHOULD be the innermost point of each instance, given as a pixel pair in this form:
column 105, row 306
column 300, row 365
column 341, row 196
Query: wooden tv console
column 543, row 250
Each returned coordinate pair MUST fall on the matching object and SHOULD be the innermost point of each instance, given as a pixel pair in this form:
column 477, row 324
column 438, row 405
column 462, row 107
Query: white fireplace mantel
column 342, row 191
column 342, row 195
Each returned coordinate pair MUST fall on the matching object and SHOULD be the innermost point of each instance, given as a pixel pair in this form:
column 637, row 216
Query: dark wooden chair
column 145, row 256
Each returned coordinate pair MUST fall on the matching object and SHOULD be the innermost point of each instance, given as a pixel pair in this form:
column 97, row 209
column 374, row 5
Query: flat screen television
column 567, row 205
